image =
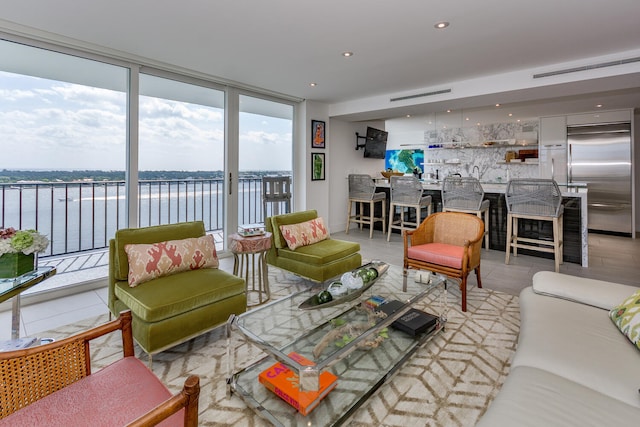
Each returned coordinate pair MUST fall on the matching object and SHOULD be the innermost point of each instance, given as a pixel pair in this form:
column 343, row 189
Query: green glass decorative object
column 15, row 264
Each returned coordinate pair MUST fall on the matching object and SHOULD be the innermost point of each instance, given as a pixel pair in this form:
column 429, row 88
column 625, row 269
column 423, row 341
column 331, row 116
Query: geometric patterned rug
column 449, row 381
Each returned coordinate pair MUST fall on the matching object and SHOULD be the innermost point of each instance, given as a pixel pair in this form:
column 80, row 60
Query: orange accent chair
column 53, row 385
column 447, row 243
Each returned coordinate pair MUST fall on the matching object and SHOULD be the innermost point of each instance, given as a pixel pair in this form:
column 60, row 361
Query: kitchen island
column 574, row 199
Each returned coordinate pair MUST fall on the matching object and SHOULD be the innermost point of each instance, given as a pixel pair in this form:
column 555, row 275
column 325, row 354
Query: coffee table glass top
column 362, row 363
column 282, row 327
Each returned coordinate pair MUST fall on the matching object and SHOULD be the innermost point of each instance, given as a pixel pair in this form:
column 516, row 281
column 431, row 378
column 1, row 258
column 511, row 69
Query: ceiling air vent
column 587, row 67
column 420, row 95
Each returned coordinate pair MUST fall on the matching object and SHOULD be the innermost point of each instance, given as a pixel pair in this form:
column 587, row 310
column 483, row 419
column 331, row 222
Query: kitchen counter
column 576, row 235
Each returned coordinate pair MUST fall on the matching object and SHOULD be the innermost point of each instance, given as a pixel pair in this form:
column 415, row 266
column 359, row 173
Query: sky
column 47, row 124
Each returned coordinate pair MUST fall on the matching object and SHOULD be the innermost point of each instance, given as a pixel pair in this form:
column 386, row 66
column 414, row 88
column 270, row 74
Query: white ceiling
column 283, row 45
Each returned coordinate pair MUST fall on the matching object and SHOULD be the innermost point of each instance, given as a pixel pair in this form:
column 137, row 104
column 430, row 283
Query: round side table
column 243, row 247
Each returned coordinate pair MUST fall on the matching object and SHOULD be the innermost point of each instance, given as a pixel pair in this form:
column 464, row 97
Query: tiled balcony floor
column 615, row 259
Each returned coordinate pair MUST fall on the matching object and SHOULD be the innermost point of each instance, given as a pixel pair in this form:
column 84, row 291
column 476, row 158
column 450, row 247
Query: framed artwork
column 317, row 134
column 317, row 167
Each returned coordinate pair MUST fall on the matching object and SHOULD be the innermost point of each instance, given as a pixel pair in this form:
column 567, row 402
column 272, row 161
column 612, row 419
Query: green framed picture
column 317, row 167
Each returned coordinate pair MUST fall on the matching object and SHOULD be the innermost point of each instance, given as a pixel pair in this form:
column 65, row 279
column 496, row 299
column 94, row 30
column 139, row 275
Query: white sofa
column 572, row 367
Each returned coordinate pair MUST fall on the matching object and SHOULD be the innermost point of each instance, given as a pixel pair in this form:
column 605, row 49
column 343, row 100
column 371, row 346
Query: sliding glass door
column 265, row 141
column 181, row 153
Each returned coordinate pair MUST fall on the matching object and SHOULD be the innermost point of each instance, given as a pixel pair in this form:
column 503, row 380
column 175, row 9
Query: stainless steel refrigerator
column 600, row 155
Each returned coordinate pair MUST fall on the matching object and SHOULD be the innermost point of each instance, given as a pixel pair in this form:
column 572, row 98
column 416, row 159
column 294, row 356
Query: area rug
column 449, row 381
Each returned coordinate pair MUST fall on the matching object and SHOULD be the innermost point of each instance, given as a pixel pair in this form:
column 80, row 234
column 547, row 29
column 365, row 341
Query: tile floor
column 611, row 258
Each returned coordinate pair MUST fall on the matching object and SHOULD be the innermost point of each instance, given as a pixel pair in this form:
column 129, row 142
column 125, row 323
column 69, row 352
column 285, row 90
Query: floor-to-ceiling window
column 62, row 146
column 79, row 131
column 265, row 148
column 181, row 153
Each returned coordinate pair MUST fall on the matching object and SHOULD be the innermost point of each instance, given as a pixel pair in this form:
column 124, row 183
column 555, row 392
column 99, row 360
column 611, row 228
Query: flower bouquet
column 18, row 249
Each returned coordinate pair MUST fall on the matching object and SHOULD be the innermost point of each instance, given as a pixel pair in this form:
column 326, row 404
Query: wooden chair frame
column 472, row 248
column 30, row 374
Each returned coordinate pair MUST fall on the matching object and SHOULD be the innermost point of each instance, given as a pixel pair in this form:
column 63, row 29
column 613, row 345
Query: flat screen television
column 375, row 146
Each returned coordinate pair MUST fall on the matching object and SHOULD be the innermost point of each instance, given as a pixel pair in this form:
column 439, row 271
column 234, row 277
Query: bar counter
column 574, row 199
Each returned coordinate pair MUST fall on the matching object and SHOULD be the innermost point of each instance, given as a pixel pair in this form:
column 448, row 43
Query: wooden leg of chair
column 348, row 216
column 556, row 244
column 463, row 289
column 384, row 215
column 514, row 230
column 561, row 237
column 361, row 216
column 391, row 215
column 486, row 228
column 371, row 217
column 477, row 270
column 508, row 248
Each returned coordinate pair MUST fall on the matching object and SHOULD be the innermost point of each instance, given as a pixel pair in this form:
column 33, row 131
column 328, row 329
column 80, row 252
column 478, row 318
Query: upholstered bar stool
column 536, row 199
column 406, row 192
column 466, row 195
column 362, row 190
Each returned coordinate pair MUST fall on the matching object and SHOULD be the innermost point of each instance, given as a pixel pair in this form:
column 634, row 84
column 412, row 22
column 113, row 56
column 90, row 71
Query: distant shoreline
column 8, row 176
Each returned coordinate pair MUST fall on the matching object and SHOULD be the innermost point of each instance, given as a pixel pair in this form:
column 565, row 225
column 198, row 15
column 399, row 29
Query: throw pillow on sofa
column 150, row 261
column 304, row 233
column 626, row 317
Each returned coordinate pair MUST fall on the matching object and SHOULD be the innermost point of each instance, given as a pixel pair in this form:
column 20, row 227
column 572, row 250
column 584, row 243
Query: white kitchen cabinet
column 553, row 148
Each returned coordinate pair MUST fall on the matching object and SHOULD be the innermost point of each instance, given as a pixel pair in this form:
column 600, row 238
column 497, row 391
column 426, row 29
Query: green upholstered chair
column 317, row 262
column 172, row 309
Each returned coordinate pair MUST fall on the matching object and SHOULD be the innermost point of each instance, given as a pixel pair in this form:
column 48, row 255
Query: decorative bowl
column 388, row 175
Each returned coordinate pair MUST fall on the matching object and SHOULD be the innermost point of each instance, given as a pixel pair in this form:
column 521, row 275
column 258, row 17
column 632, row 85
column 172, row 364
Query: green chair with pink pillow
column 303, row 246
column 168, row 276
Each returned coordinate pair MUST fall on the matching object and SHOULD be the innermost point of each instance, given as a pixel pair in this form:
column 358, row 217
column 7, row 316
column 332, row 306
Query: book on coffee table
column 413, row 322
column 286, row 384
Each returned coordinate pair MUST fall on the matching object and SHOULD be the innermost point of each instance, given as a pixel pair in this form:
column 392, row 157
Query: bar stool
column 406, row 192
column 536, row 199
column 466, row 195
column 362, row 190
column 276, row 190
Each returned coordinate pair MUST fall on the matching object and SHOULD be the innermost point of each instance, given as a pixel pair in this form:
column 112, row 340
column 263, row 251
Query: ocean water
column 80, row 217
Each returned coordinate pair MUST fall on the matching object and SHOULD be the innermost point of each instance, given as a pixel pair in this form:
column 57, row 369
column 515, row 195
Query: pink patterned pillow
column 150, row 261
column 304, row 233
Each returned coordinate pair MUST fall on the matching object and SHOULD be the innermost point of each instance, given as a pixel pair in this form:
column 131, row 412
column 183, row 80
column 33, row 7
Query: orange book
column 285, row 384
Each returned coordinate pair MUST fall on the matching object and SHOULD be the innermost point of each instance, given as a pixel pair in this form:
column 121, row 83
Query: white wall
column 344, row 160
column 635, row 147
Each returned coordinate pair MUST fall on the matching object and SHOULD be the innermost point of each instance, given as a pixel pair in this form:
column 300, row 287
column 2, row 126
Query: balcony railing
column 83, row 216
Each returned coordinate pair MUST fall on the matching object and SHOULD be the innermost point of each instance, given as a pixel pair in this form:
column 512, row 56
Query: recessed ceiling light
column 497, row 105
column 448, row 111
column 441, row 25
column 478, row 124
column 510, row 114
column 599, row 106
column 347, row 54
column 408, row 115
column 312, row 84
column 467, row 119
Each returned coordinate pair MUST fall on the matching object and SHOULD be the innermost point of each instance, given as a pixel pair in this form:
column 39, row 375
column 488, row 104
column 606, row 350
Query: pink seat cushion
column 438, row 253
column 113, row 396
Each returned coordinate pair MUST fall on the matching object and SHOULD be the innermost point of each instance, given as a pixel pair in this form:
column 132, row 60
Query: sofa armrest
column 596, row 293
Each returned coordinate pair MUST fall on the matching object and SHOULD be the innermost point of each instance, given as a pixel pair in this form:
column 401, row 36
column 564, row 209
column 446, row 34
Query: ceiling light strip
column 420, row 95
column 587, row 67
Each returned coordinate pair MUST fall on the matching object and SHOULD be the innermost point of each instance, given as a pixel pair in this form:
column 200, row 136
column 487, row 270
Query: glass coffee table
column 363, row 361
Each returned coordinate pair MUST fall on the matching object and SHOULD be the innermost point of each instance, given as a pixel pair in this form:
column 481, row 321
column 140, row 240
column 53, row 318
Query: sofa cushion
column 532, row 397
column 168, row 296
column 304, row 233
column 150, row 261
column 578, row 342
column 153, row 234
column 597, row 293
column 626, row 317
column 109, row 397
column 438, row 253
column 286, row 219
column 321, row 253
